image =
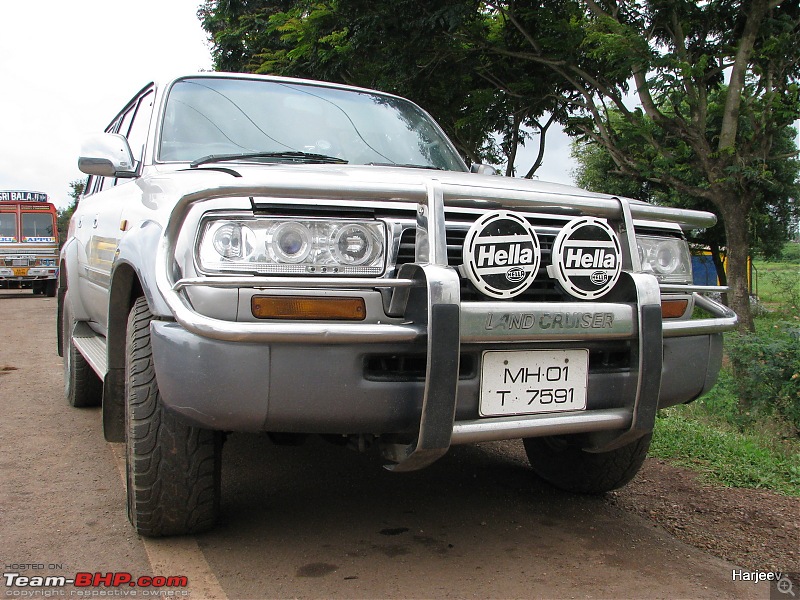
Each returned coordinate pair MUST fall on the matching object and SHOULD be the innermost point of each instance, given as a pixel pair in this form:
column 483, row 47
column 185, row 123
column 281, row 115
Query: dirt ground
column 750, row 529
column 755, row 529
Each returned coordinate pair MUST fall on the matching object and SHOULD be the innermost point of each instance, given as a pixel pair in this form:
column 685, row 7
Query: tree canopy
column 433, row 52
column 772, row 217
column 708, row 89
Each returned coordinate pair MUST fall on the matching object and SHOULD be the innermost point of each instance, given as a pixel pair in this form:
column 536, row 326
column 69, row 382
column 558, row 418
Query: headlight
column 292, row 246
column 666, row 258
column 289, row 242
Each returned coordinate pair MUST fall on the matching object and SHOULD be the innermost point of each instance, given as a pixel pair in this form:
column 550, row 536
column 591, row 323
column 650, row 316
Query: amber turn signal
column 672, row 309
column 308, row 308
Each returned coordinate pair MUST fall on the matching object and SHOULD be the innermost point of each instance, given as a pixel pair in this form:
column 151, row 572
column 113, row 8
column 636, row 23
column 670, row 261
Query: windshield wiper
column 404, row 166
column 301, row 157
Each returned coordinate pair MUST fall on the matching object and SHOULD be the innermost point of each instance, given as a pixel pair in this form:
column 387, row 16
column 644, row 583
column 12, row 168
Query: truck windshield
column 8, row 226
column 210, row 116
column 37, row 225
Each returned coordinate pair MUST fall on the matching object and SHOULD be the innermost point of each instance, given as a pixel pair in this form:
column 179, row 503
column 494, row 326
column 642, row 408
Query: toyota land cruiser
column 293, row 257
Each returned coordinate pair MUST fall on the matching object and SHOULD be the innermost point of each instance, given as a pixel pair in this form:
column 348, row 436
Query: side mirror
column 107, row 155
column 482, row 169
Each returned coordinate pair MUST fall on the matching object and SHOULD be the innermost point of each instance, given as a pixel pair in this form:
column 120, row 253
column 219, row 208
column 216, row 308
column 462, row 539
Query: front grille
column 543, row 289
column 15, row 252
column 610, row 357
column 410, row 367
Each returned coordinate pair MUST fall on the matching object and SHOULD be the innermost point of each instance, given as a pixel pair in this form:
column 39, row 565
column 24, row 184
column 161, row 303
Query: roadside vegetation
column 746, row 431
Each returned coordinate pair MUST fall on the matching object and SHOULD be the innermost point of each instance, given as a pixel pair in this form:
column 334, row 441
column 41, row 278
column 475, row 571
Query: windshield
column 37, row 225
column 8, row 227
column 208, row 116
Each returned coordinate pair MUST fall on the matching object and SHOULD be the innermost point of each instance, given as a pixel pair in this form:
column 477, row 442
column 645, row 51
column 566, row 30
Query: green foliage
column 431, row 51
column 787, row 286
column 725, row 455
column 791, row 253
column 774, row 184
column 746, row 430
column 767, row 368
column 701, row 138
column 65, row 214
column 777, row 284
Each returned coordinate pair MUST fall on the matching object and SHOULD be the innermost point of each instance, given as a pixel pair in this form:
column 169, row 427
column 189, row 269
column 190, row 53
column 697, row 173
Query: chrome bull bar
column 441, row 319
column 442, row 316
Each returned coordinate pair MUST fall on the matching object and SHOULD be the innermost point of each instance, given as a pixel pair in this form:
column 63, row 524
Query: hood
column 377, row 186
column 276, row 176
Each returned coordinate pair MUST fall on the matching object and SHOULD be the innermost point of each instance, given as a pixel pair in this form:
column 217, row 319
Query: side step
column 93, row 348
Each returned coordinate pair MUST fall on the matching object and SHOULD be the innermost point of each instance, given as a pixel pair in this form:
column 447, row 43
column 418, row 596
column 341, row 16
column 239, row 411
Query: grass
column 724, row 455
column 776, row 283
column 729, row 444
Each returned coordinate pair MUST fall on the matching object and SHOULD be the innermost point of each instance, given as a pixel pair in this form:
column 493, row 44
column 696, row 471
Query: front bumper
column 309, row 377
column 31, row 274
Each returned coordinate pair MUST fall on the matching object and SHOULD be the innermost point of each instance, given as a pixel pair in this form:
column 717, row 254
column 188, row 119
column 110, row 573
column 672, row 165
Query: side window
column 133, row 124
column 123, row 124
column 137, row 132
column 96, row 185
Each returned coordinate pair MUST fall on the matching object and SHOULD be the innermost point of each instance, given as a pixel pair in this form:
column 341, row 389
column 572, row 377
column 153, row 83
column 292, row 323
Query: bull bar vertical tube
column 440, row 311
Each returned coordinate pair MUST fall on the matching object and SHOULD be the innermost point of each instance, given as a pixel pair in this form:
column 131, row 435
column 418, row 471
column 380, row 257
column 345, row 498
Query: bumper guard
column 427, row 294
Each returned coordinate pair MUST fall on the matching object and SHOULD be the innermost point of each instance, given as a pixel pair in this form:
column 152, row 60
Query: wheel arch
column 60, row 295
column 67, row 275
column 133, row 276
column 125, row 289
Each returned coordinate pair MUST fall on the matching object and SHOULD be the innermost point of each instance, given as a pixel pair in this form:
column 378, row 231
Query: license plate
column 523, row 382
column 20, row 272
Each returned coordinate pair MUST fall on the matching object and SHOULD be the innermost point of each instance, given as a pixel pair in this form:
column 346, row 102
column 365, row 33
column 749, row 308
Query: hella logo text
column 515, row 274
column 577, row 258
column 515, row 254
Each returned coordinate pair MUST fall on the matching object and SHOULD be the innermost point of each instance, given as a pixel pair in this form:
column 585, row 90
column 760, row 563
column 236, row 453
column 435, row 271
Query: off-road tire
column 82, row 387
column 562, row 462
column 172, row 468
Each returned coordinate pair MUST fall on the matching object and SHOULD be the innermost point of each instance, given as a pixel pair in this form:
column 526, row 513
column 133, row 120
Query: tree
column 731, row 63
column 430, row 51
column 716, row 82
column 65, row 214
column 774, row 207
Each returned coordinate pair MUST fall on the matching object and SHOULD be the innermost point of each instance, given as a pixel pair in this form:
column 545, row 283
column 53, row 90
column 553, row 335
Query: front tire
column 562, row 462
column 82, row 387
column 172, row 469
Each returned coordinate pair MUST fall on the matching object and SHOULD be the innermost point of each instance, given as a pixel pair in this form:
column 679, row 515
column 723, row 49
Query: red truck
column 28, row 241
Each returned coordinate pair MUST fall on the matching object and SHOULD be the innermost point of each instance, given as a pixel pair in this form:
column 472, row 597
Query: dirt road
column 317, row 521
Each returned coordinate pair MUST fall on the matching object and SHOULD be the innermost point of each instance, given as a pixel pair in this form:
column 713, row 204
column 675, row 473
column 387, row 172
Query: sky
column 67, row 68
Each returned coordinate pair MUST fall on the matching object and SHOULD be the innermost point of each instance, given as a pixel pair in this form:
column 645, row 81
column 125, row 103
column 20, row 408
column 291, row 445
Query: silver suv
column 294, row 257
